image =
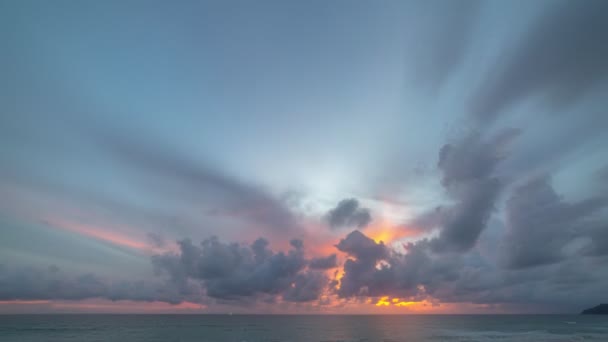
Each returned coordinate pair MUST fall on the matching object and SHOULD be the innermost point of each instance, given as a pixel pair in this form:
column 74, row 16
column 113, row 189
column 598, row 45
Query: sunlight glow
column 387, row 301
column 388, row 232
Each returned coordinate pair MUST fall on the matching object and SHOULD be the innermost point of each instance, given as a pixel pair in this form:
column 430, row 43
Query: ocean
column 304, row 328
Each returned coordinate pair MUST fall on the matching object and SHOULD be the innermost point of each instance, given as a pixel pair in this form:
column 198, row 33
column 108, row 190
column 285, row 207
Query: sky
column 339, row 157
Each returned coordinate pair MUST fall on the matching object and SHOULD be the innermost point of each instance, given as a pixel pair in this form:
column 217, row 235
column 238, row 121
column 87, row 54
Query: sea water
column 253, row 328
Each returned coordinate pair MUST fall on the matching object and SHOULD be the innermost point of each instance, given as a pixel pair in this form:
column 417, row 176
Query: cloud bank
column 230, row 271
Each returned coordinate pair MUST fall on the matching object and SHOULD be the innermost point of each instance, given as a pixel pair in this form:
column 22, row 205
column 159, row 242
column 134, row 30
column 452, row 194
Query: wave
column 523, row 336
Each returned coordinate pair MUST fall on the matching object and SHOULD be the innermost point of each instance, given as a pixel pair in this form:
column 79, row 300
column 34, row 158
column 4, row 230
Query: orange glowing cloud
column 383, row 302
column 388, row 233
column 104, row 234
column 387, row 301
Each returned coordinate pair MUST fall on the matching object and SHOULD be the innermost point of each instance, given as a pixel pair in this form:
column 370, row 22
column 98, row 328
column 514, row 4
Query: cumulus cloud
column 360, row 273
column 562, row 57
column 362, row 247
column 348, row 213
column 375, row 270
column 324, row 263
column 306, row 287
column 231, row 271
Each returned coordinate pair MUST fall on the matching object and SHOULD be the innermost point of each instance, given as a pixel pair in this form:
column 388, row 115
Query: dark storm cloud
column 562, row 57
column 348, row 213
column 468, row 176
column 540, row 223
column 222, row 194
column 28, row 283
column 445, row 39
column 239, row 272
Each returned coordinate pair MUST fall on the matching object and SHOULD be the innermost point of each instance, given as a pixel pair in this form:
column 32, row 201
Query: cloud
column 362, row 247
column 157, row 240
column 429, row 267
column 540, row 223
column 374, row 270
column 348, row 213
column 562, row 57
column 566, row 286
column 306, row 287
column 468, row 176
column 324, row 263
column 190, row 180
column 35, row 283
column 598, row 238
column 360, row 273
column 230, row 271
column 444, row 41
column 602, row 175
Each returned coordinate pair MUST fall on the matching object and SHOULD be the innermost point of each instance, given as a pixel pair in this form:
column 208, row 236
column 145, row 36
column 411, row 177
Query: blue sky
column 128, row 126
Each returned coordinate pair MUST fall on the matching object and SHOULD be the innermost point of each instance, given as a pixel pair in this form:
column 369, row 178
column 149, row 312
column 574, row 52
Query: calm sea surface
column 220, row 328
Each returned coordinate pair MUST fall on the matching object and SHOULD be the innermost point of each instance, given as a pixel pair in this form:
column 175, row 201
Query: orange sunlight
column 388, row 233
column 387, row 301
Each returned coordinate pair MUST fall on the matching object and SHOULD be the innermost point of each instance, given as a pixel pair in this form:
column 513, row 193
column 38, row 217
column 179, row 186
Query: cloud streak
column 219, row 193
column 446, row 39
column 561, row 58
column 104, row 234
column 33, row 283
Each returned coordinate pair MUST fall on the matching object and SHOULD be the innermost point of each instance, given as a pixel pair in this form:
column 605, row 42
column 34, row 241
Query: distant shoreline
column 601, row 309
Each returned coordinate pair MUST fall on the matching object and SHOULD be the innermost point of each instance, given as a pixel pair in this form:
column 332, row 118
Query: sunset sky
column 303, row 156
